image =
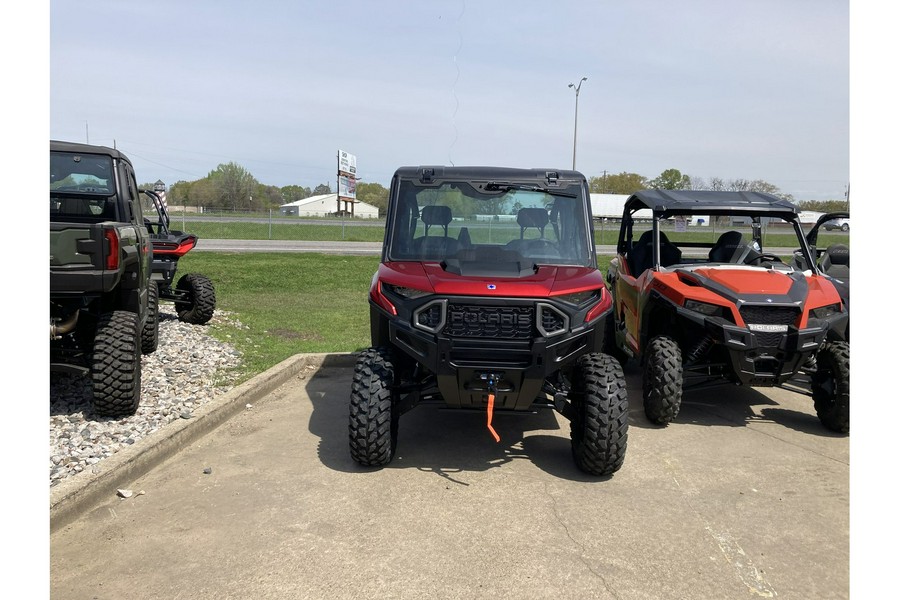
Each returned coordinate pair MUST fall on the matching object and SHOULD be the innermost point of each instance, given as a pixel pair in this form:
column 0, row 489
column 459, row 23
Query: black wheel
column 374, row 415
column 609, row 341
column 600, row 419
column 845, row 227
column 198, row 309
column 831, row 386
column 150, row 332
column 662, row 380
column 116, row 364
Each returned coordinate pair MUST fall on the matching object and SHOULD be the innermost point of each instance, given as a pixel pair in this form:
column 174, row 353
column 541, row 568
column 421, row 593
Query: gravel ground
column 188, row 370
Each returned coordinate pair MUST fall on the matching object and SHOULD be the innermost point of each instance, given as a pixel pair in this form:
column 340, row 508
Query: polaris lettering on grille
column 490, row 321
column 490, row 318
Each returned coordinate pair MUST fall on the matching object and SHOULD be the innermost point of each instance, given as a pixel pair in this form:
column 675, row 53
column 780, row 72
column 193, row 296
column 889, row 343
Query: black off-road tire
column 374, row 414
column 116, row 365
column 150, row 332
column 831, row 386
column 202, row 299
column 663, row 380
column 599, row 427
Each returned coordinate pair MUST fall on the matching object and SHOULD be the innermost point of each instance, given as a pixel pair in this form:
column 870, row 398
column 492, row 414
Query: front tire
column 662, row 380
column 599, row 427
column 201, row 304
column 374, row 414
column 116, row 365
column 831, row 386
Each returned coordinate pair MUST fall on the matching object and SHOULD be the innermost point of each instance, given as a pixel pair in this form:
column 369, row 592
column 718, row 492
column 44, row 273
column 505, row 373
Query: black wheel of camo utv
column 116, row 364
column 662, row 380
column 831, row 386
column 150, row 332
column 201, row 302
column 374, row 415
column 609, row 341
column 599, row 427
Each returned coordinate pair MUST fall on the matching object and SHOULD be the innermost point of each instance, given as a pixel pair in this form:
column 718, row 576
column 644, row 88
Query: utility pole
column 575, row 137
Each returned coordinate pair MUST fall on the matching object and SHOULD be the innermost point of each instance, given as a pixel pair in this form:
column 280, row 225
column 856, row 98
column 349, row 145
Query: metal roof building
column 326, row 205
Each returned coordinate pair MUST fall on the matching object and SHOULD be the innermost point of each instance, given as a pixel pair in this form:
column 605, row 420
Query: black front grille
column 770, row 315
column 769, row 340
column 498, row 322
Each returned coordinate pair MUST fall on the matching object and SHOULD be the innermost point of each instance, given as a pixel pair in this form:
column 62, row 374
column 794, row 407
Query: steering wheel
column 541, row 246
column 762, row 257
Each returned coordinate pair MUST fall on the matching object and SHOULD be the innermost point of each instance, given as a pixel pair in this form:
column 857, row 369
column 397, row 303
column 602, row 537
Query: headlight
column 579, row 298
column 823, row 312
column 704, row 308
column 404, row 292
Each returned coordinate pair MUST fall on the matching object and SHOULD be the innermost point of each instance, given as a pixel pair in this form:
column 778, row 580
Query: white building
column 326, row 205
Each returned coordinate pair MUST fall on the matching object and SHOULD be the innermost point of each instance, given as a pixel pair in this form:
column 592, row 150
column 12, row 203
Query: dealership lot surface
column 746, row 495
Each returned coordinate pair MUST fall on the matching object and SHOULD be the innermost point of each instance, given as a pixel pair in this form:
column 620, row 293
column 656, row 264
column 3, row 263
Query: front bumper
column 463, row 364
column 763, row 358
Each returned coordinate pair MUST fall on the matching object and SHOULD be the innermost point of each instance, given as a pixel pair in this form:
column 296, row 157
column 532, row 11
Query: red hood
column 547, row 281
column 749, row 281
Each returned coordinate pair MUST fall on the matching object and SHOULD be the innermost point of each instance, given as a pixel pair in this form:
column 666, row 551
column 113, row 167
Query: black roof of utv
column 426, row 173
column 74, row 147
column 667, row 203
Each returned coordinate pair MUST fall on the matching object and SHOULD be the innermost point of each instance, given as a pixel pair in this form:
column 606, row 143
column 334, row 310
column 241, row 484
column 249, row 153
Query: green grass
column 287, row 304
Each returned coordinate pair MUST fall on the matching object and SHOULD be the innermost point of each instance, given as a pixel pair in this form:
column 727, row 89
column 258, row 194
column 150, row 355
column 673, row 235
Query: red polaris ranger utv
column 697, row 313
column 488, row 297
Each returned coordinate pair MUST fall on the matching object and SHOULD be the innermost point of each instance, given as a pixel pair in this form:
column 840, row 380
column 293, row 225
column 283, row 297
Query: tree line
column 231, row 187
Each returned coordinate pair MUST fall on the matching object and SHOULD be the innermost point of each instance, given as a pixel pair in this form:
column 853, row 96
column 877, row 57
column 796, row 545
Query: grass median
column 287, row 303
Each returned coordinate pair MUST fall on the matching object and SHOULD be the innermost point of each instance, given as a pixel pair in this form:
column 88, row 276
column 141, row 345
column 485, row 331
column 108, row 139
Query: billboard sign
column 346, row 164
column 346, row 187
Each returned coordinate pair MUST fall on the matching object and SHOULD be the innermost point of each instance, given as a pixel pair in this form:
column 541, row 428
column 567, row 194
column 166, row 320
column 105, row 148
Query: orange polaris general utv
column 697, row 313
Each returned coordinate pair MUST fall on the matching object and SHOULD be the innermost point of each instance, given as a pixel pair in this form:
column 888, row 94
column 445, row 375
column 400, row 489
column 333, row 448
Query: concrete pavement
column 746, row 495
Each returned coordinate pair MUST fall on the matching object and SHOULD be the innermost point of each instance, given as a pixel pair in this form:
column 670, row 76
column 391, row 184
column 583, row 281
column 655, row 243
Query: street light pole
column 575, row 138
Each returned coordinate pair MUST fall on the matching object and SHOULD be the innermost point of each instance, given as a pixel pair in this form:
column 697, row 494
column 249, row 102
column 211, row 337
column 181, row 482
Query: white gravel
column 188, row 370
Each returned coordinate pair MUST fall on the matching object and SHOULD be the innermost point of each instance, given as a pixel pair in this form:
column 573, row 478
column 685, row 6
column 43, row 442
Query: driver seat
column 836, row 261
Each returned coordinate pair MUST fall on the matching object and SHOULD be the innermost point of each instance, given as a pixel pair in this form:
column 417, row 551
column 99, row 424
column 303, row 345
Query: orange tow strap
column 490, row 417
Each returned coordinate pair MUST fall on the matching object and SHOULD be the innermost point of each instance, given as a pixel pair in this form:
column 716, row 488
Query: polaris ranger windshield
column 490, row 226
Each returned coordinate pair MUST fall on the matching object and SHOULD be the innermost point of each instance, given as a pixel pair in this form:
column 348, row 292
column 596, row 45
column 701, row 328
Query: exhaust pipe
column 57, row 330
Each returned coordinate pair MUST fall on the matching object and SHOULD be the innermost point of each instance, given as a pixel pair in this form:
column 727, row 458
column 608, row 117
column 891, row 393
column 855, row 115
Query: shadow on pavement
column 726, row 405
column 442, row 441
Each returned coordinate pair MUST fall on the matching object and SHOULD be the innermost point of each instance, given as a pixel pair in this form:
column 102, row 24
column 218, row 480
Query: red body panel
column 547, row 282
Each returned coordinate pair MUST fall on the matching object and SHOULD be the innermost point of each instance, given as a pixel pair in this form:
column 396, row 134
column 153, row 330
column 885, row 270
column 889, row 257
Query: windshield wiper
column 499, row 186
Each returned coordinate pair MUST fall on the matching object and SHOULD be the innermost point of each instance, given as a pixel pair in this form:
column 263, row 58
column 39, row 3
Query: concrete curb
column 75, row 496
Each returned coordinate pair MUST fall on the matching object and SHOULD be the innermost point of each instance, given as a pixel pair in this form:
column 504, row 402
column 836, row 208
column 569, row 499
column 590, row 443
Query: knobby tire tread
column 116, row 365
column 663, row 380
column 599, row 428
column 373, row 411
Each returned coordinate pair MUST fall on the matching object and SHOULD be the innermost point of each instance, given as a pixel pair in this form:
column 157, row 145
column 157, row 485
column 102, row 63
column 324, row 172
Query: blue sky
column 754, row 90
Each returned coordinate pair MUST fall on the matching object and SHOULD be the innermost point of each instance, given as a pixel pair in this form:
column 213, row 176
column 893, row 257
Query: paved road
column 745, row 496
